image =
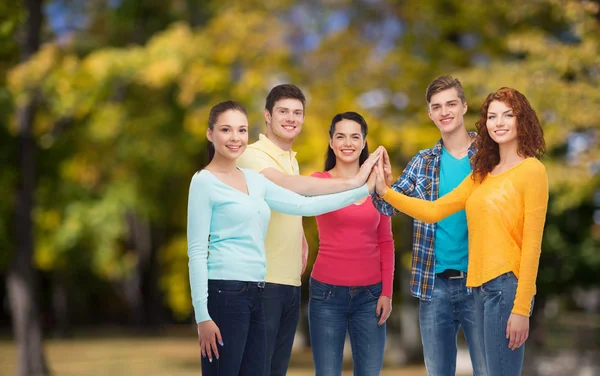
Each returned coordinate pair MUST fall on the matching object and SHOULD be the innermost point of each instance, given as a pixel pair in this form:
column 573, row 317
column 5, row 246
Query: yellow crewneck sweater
column 505, row 216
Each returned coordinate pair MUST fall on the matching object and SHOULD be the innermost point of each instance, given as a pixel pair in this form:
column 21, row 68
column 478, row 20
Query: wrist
column 352, row 183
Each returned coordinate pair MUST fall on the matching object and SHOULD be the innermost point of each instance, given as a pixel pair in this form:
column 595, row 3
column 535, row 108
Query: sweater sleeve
column 535, row 204
column 288, row 202
column 198, row 227
column 385, row 244
column 432, row 211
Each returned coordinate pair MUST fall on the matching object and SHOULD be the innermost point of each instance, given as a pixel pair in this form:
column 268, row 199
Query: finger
column 386, row 157
column 219, row 338
column 378, row 309
column 202, row 351
column 213, row 346
column 386, row 314
column 508, row 329
column 207, row 350
column 383, row 317
column 519, row 340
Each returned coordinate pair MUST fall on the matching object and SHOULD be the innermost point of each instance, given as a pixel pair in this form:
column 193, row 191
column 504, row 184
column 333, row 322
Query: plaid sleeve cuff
column 382, row 206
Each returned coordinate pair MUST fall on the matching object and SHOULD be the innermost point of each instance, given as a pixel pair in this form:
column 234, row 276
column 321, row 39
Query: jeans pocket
column 233, row 288
column 374, row 291
column 319, row 292
column 493, row 287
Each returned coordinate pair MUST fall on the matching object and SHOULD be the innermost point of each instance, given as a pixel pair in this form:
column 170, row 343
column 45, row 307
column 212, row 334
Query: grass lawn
column 148, row 356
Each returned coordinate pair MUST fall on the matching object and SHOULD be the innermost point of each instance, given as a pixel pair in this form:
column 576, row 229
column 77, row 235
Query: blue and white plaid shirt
column 421, row 179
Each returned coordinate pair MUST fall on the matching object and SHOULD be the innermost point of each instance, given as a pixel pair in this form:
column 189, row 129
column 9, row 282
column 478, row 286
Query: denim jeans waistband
column 222, row 283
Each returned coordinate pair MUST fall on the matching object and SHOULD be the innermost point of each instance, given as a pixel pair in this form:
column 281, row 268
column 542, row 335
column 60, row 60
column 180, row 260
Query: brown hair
column 530, row 135
column 284, row 91
column 444, row 83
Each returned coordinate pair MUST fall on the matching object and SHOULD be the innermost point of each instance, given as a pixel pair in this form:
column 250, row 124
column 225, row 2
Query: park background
column 103, row 113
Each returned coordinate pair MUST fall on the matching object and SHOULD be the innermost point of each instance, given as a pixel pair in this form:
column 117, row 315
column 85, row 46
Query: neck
column 222, row 165
column 508, row 153
column 345, row 170
column 283, row 144
column 458, row 142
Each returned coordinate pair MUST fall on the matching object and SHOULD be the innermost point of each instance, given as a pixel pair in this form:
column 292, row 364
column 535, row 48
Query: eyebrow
column 285, row 108
column 490, row 112
column 231, row 126
column 439, row 104
column 351, row 134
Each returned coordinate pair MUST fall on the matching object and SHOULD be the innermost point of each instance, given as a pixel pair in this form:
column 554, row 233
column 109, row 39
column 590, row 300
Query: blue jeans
column 282, row 313
column 237, row 309
column 494, row 301
column 333, row 310
column 451, row 307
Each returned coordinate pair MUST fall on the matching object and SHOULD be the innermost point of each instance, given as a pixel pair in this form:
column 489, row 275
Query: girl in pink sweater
column 351, row 281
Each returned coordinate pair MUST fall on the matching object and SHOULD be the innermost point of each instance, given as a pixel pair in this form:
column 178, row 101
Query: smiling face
column 501, row 123
column 446, row 109
column 285, row 121
column 229, row 134
column 347, row 142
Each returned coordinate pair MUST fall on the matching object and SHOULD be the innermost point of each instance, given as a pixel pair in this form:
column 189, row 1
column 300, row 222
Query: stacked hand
column 383, row 172
column 366, row 175
column 378, row 160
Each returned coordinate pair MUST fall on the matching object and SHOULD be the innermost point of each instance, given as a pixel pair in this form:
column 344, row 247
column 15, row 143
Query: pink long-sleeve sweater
column 356, row 247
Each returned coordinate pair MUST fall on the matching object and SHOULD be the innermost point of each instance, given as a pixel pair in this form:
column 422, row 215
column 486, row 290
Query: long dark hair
column 530, row 135
column 216, row 111
column 356, row 117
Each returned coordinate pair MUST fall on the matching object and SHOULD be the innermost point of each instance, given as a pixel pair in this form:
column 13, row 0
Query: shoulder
column 533, row 166
column 201, row 177
column 255, row 159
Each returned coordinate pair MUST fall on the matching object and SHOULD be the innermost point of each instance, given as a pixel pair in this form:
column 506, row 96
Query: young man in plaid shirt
column 440, row 250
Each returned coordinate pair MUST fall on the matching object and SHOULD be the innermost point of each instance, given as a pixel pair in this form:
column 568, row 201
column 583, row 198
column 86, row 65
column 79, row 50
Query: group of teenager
column 479, row 201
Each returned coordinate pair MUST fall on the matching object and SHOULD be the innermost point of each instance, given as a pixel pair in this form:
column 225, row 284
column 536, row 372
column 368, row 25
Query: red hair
column 530, row 135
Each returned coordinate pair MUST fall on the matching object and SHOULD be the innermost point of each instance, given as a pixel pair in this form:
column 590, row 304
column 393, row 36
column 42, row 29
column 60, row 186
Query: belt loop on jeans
column 261, row 284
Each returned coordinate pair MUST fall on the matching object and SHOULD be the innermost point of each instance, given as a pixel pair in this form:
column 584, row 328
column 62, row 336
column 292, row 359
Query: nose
column 445, row 110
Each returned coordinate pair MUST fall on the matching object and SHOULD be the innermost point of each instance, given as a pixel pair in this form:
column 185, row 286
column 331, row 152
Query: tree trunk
column 134, row 284
column 21, row 278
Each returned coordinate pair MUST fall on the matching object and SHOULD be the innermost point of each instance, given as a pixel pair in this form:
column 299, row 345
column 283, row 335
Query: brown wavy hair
column 530, row 135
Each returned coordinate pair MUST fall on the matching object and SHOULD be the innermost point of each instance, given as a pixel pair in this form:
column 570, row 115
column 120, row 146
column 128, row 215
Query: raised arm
column 198, row 227
column 311, row 186
column 423, row 210
column 405, row 183
column 288, row 202
column 535, row 202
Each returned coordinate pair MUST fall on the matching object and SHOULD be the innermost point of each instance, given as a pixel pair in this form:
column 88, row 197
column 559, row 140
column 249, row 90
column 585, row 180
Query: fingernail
column 210, row 360
column 221, row 343
column 204, row 356
column 217, row 357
